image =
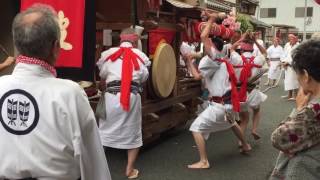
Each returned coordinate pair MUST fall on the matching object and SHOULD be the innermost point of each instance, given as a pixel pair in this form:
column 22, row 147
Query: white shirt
column 112, row 70
column 288, row 48
column 62, row 143
column 275, row 52
column 215, row 74
column 236, row 60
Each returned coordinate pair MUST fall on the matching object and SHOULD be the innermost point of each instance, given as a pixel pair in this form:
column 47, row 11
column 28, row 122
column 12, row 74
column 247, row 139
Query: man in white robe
column 219, row 115
column 250, row 97
column 274, row 54
column 122, row 127
column 48, row 129
column 291, row 83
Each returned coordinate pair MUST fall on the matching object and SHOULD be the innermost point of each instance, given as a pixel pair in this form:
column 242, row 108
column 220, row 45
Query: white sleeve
column 269, row 52
column 88, row 148
column 235, row 59
column 102, row 62
column 144, row 73
column 208, row 67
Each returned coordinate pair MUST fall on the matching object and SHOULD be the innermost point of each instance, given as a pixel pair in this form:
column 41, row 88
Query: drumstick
column 4, row 50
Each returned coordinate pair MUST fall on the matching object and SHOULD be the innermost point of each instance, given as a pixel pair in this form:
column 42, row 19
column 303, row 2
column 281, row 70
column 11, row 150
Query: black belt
column 114, row 87
column 22, row 179
column 28, row 179
column 225, row 99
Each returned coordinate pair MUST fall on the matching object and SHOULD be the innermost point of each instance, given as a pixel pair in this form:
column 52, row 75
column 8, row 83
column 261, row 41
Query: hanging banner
column 158, row 36
column 71, row 21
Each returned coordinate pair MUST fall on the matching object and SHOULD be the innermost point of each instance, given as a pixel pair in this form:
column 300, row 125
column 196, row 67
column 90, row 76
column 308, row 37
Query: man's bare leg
column 240, row 135
column 132, row 156
column 201, row 145
column 255, row 122
column 244, row 120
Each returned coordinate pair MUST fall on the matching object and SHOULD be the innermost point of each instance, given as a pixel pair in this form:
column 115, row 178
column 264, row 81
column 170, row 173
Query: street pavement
column 168, row 158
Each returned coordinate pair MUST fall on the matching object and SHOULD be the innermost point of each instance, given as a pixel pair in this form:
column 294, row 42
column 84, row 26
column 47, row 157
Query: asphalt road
column 167, row 159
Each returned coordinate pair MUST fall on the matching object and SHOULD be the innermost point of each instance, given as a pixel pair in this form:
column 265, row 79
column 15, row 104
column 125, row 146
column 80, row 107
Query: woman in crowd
column 298, row 136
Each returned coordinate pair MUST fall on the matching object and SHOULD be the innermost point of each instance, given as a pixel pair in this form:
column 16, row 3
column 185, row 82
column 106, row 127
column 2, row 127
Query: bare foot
column 200, row 165
column 255, row 135
column 245, row 149
column 133, row 174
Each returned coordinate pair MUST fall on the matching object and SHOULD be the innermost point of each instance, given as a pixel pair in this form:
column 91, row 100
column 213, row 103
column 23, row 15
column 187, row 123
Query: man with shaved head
column 47, row 130
column 290, row 81
column 274, row 53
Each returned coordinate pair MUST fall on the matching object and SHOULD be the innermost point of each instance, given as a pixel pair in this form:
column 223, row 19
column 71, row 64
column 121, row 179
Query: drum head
column 164, row 70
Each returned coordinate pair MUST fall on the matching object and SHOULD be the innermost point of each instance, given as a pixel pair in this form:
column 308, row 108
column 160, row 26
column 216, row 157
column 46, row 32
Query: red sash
column 233, row 80
column 129, row 61
column 245, row 75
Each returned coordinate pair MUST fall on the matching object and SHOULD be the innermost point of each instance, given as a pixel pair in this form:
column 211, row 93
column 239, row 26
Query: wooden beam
column 153, row 107
column 113, row 26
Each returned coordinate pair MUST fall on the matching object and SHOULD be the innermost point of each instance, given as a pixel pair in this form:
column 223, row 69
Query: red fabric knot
column 233, row 80
column 129, row 62
column 293, row 138
column 316, row 107
column 245, row 74
column 42, row 63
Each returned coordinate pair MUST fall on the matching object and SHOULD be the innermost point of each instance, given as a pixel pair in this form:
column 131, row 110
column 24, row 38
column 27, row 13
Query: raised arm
column 261, row 48
column 207, row 43
column 237, row 43
column 192, row 68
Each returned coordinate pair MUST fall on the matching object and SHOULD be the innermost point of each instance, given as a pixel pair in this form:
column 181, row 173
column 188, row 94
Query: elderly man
column 48, row 130
column 290, row 81
column 274, row 53
column 123, row 69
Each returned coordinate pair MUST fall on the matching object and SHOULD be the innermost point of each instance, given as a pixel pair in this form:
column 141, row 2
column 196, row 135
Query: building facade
column 287, row 16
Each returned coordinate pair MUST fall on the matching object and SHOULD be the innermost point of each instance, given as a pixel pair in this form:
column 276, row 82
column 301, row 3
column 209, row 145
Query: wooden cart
column 159, row 114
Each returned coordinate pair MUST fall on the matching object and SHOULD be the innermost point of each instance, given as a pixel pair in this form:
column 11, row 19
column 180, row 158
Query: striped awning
column 180, row 4
column 215, row 5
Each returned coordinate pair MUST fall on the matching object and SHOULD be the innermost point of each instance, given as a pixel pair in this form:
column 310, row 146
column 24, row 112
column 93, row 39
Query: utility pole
column 305, row 20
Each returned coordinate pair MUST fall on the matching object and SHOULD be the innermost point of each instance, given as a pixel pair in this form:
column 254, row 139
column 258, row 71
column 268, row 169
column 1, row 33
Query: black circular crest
column 19, row 112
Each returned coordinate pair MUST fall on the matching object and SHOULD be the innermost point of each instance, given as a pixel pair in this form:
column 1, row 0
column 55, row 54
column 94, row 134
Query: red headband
column 129, row 37
column 246, row 46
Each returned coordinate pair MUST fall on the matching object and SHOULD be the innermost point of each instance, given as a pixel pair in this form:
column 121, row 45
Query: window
column 300, row 12
column 268, row 12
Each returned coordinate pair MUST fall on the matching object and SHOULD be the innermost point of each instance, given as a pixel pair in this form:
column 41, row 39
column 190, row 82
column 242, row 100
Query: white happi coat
column 255, row 97
column 274, row 53
column 290, row 79
column 216, row 76
column 122, row 129
column 48, row 129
